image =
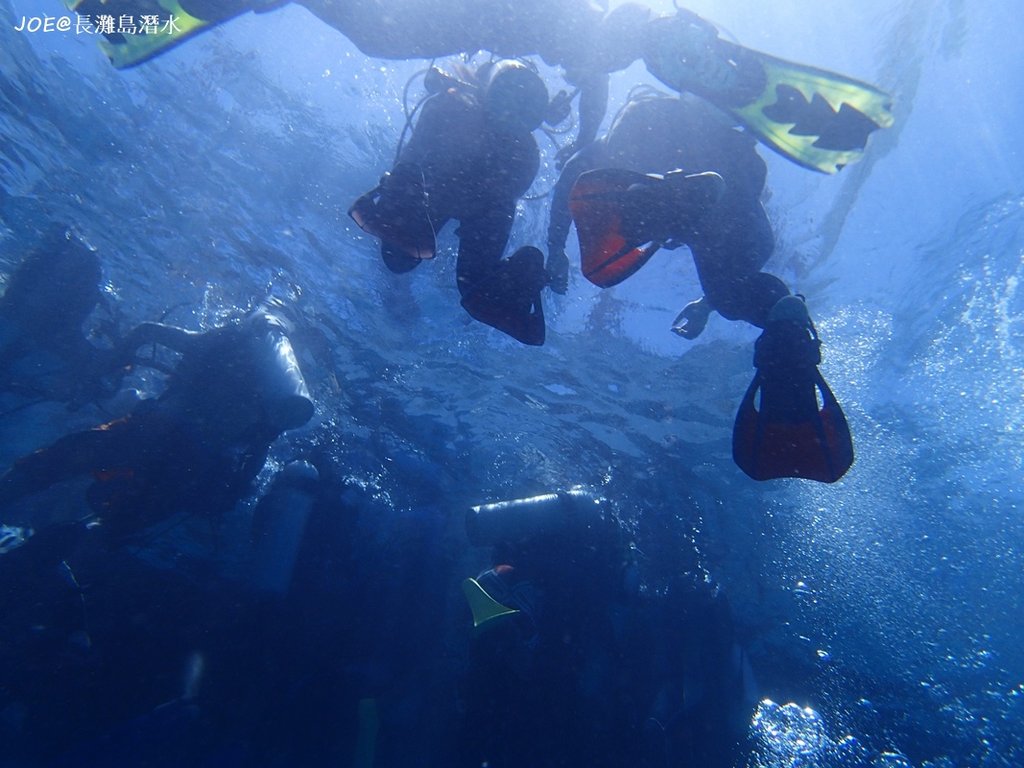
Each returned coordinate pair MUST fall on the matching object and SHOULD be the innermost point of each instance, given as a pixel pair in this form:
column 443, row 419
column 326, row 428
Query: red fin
column 596, row 204
column 397, row 213
column 819, row 448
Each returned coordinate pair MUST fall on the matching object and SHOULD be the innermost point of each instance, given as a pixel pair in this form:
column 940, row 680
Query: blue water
column 882, row 614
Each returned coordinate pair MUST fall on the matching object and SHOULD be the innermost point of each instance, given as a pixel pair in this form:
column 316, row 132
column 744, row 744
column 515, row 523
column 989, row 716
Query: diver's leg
column 482, row 240
column 729, row 253
column 407, row 29
column 398, row 213
column 71, row 456
column 211, row 11
column 221, row 10
column 502, row 294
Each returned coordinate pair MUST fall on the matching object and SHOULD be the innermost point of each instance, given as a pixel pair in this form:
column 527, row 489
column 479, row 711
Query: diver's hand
column 557, row 270
column 690, row 323
column 560, row 107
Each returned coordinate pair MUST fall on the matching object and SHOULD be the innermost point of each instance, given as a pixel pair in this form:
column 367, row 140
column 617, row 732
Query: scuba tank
column 511, row 92
column 522, row 519
column 437, row 80
column 280, row 382
column 279, row 524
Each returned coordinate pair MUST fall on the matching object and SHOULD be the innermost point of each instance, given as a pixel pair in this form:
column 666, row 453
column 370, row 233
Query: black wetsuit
column 474, row 169
column 474, row 173
column 734, row 239
column 404, row 29
column 43, row 350
column 196, row 447
column 564, row 33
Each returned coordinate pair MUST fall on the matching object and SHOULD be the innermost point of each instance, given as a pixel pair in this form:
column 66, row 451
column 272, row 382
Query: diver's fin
column 125, row 48
column 484, row 607
column 397, row 212
column 597, row 203
column 623, row 217
column 509, row 299
column 781, row 430
column 819, row 119
column 818, row 448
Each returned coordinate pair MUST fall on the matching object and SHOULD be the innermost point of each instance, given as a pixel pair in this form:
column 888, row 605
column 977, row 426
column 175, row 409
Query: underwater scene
column 543, row 383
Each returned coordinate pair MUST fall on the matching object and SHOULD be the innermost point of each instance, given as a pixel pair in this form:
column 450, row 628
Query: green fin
column 484, row 607
column 819, row 119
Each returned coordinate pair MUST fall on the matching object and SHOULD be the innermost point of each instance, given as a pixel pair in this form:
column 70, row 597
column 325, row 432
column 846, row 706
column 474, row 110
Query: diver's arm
column 593, row 105
column 561, row 217
column 483, row 236
column 79, row 453
column 170, row 336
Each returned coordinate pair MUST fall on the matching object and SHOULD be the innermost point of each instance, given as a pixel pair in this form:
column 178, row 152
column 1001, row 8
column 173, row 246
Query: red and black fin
column 607, row 254
column 774, row 440
column 397, row 213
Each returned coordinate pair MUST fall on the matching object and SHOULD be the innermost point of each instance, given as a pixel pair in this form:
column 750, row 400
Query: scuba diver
column 44, row 353
column 574, row 35
column 816, row 118
column 673, row 172
column 717, row 212
column 574, row 661
column 196, row 447
column 470, row 157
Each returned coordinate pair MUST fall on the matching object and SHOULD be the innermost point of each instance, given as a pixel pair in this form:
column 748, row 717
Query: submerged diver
column 470, row 157
column 574, row 35
column 831, row 116
column 197, row 446
column 716, row 212
column 573, row 662
column 44, row 353
column 674, row 171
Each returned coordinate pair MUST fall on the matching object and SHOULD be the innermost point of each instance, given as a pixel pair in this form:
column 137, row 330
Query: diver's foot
column 789, row 340
column 691, row 322
column 526, row 273
column 397, row 212
column 396, row 259
column 510, row 301
column 692, row 195
column 556, row 272
column 667, row 209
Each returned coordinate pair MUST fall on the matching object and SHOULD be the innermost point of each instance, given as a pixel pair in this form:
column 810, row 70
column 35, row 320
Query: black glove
column 557, row 270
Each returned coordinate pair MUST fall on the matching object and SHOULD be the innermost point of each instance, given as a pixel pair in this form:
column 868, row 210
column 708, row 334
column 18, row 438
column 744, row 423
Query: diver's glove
column 560, row 107
column 557, row 271
column 690, row 323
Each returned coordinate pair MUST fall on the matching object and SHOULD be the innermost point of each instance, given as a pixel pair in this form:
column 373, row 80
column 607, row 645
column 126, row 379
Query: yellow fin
column 484, row 607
